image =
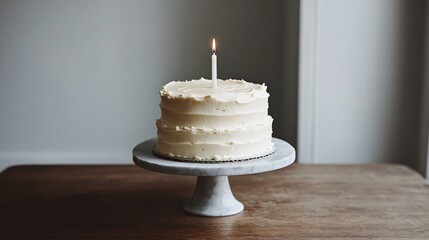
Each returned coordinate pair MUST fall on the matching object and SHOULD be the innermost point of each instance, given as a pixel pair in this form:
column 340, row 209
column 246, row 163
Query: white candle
column 214, row 65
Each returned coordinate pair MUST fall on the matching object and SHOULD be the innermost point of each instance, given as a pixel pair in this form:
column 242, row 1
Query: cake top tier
column 227, row 90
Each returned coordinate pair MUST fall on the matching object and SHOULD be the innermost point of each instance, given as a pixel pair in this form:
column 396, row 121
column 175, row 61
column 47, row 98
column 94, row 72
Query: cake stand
column 212, row 196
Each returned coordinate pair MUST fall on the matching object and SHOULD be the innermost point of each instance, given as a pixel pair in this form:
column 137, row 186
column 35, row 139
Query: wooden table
column 125, row 202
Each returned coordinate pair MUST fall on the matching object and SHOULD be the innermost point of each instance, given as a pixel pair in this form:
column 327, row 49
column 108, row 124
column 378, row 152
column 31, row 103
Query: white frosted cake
column 202, row 123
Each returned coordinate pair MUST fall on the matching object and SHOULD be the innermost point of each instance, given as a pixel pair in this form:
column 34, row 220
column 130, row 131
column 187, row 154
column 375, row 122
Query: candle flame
column 214, row 46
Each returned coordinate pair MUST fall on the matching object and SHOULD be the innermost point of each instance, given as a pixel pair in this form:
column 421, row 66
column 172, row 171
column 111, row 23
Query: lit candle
column 214, row 65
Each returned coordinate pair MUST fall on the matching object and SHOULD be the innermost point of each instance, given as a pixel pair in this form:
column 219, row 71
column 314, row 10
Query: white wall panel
column 364, row 69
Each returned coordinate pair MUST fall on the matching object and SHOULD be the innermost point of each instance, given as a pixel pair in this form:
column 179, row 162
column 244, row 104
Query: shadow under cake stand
column 212, row 196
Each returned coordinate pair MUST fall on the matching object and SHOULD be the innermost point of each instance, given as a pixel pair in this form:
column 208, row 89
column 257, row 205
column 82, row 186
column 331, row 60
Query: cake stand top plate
column 145, row 158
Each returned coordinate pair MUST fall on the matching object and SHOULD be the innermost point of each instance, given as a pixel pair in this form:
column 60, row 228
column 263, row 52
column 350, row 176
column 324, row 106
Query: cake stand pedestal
column 212, row 196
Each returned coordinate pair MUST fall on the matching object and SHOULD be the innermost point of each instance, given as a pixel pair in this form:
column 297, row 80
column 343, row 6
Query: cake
column 202, row 123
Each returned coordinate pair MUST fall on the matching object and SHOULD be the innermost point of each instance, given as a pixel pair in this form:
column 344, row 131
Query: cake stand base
column 213, row 197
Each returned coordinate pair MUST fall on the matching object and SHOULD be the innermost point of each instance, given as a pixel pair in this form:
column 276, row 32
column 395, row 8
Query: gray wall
column 424, row 124
column 289, row 90
column 79, row 80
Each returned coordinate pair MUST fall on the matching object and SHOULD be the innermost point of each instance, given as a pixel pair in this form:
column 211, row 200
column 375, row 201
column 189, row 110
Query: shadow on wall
column 402, row 91
column 404, row 116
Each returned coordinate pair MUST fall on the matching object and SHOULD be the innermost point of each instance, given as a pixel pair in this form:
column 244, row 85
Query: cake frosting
column 228, row 122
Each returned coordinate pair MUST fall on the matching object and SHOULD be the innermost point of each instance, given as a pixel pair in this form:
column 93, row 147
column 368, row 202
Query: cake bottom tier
column 215, row 144
column 216, row 152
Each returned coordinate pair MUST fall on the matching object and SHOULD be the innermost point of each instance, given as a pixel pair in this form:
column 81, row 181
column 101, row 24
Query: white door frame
column 308, row 79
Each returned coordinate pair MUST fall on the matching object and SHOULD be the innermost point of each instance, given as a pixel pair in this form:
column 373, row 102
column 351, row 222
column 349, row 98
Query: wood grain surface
column 126, row 202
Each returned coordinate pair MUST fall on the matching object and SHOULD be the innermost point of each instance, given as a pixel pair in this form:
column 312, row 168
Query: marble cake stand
column 212, row 196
